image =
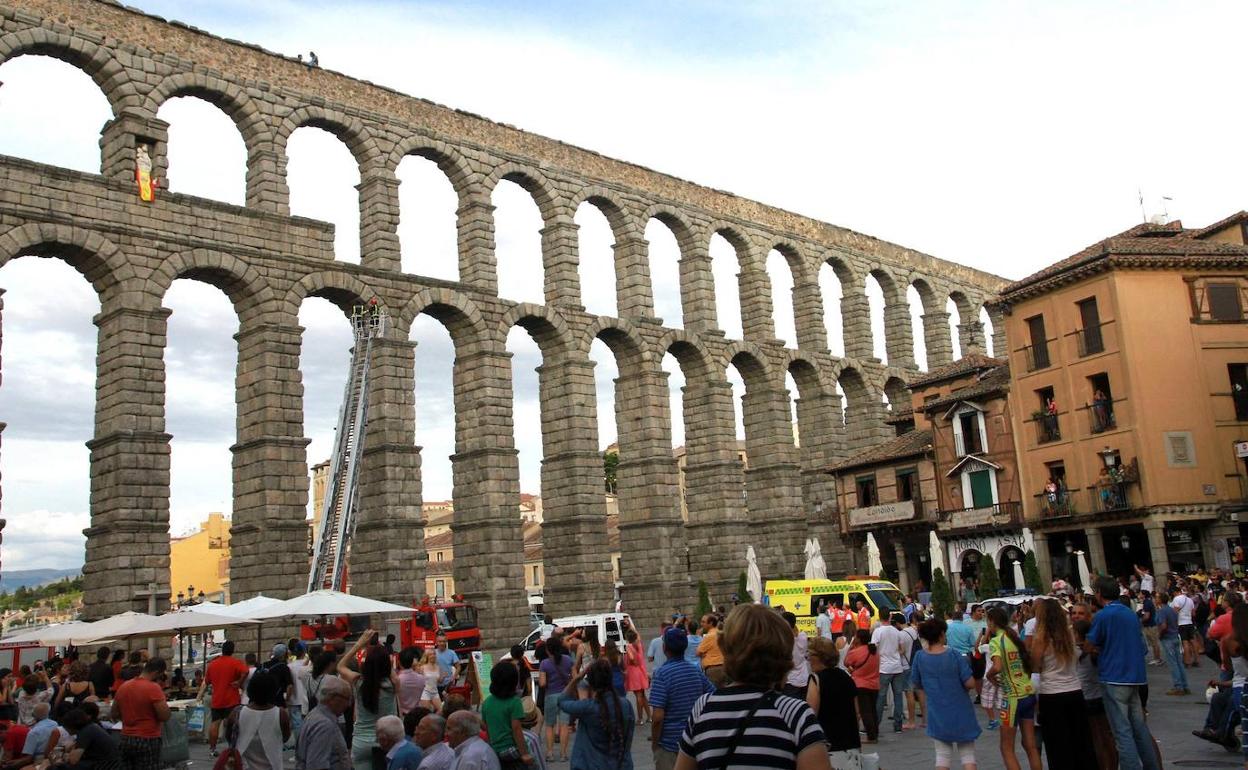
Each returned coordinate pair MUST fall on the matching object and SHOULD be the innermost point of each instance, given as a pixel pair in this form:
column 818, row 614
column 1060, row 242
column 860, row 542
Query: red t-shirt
column 15, row 740
column 224, row 675
column 137, row 699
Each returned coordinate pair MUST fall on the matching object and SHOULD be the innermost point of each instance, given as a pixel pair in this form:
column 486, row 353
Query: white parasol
column 818, row 567
column 326, row 603
column 1085, row 575
column 874, row 566
column 210, row 607
column 109, row 628
column 936, row 554
column 249, row 607
column 56, row 635
column 753, row 578
column 181, row 622
column 1019, row 581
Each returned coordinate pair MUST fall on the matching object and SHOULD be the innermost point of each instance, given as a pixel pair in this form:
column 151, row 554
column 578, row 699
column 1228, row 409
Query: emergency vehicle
column 804, row 598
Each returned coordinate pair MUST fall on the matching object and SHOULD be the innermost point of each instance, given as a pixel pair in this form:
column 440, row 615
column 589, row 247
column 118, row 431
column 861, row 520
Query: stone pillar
column 903, row 568
column 1096, row 552
column 1044, row 560
column 971, row 336
column 575, row 555
column 634, row 297
column 697, row 288
column 379, row 219
column 1000, row 346
column 856, row 323
column 1156, row 531
column 128, row 539
column 808, row 316
column 864, row 424
column 717, row 534
column 822, row 444
column 269, row 535
column 938, row 339
column 754, row 289
column 122, row 135
column 388, row 556
column 649, row 501
column 899, row 334
column 475, row 225
column 266, row 180
column 773, row 485
column 489, row 548
column 559, row 262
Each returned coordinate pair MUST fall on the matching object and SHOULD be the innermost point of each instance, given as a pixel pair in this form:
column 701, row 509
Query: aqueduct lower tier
column 268, row 262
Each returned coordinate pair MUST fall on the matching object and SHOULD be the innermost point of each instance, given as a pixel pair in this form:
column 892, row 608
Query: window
column 439, row 556
column 535, row 580
column 1224, row 302
column 1090, row 340
column 855, row 598
column 439, row 588
column 1048, row 426
column 971, row 442
column 1218, row 299
column 1038, row 351
column 1102, row 406
column 866, row 491
column 981, row 484
column 907, row 485
column 1239, row 389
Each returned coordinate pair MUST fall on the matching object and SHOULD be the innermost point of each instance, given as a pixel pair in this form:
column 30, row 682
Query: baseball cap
column 676, row 640
column 279, row 650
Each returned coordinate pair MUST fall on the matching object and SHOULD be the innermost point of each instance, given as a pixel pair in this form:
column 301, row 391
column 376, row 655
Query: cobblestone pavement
column 1171, row 719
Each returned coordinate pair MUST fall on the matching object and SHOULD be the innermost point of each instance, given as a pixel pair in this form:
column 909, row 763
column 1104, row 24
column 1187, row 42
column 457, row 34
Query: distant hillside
column 11, row 579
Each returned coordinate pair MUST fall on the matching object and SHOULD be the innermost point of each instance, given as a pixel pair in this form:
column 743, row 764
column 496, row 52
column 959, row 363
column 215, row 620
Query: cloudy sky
column 1001, row 135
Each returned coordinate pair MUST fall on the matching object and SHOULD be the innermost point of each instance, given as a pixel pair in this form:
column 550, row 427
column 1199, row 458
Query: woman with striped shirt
column 750, row 725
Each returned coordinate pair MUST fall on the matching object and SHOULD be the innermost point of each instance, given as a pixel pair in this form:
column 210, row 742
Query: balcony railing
column 1037, row 357
column 1054, row 505
column 965, row 444
column 1090, row 340
column 1048, row 428
column 995, row 515
column 1111, row 496
column 1101, row 414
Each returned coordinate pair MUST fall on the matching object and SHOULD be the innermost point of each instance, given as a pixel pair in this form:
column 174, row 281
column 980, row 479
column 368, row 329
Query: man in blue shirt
column 1171, row 644
column 958, row 635
column 654, row 653
column 448, row 663
column 1116, row 639
column 674, row 689
column 44, row 735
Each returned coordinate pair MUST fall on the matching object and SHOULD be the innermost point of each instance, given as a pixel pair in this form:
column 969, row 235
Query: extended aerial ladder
column 342, row 491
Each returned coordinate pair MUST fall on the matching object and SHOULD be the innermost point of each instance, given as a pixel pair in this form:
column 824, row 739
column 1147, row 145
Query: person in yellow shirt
column 709, row 652
column 1010, row 667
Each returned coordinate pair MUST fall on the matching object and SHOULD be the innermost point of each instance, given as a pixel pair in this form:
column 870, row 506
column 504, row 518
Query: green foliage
column 610, row 468
column 1031, row 572
column 704, row 600
column 942, row 594
column 989, row 578
column 61, row 595
column 743, row 590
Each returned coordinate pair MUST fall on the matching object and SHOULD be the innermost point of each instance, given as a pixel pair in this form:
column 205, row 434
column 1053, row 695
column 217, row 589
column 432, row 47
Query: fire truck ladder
column 342, row 492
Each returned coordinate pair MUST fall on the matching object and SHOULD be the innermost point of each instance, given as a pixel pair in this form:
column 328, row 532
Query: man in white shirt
column 1185, row 606
column 1146, row 579
column 799, row 676
column 891, row 645
column 301, row 672
column 823, row 623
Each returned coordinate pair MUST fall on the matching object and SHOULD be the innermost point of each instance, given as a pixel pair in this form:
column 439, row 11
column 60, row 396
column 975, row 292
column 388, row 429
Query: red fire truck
column 454, row 616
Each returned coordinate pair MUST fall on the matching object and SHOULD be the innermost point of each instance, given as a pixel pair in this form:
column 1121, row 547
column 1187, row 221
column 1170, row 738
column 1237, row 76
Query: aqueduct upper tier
column 268, row 262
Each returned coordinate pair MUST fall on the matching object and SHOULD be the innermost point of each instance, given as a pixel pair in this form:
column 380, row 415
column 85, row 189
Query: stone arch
column 844, row 269
column 799, row 265
column 546, row 325
column 928, row 295
column 968, row 310
column 457, row 313
column 809, row 375
column 623, row 339
column 95, row 61
column 534, row 183
column 897, row 392
column 246, row 289
column 447, row 158
column 228, row 97
column 90, row 253
column 343, row 290
column 694, row 359
column 675, row 220
column 605, row 201
column 747, row 357
column 354, row 134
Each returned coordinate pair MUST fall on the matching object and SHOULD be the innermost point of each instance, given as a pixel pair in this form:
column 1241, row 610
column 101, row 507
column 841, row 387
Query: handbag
column 768, row 697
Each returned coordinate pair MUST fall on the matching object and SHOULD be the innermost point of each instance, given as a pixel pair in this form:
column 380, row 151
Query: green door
column 981, row 489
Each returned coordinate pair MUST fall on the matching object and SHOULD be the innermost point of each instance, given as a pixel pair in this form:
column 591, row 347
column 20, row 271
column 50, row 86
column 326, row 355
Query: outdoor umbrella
column 56, row 635
column 210, row 607
column 809, row 550
column 818, row 567
column 1085, row 576
column 248, row 607
column 326, row 603
column 181, row 622
column 936, row 554
column 1019, row 580
column 753, row 578
column 115, row 627
column 874, row 566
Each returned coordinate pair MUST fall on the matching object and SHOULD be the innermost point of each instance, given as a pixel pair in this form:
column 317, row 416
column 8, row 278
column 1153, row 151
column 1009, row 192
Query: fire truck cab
column 455, row 617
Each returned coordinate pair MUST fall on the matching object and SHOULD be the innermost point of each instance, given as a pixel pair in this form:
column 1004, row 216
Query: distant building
column 202, row 559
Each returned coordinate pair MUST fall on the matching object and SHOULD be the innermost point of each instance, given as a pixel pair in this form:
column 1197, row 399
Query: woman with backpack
column 863, row 664
column 376, row 695
column 258, row 730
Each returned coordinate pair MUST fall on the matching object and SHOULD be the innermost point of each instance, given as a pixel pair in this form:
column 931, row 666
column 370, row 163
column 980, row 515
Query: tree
column 942, row 594
column 1031, row 572
column 704, row 600
column 989, row 578
column 743, row 590
column 610, row 467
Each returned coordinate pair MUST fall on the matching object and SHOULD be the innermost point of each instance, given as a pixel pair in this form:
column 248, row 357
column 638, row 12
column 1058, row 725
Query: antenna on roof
column 1143, row 213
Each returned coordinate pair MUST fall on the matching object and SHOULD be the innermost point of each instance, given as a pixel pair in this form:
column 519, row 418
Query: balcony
column 1056, row 505
column 1110, row 492
column 968, row 444
column 1048, row 427
column 1037, row 356
column 1101, row 415
column 1090, row 340
column 884, row 513
column 995, row 515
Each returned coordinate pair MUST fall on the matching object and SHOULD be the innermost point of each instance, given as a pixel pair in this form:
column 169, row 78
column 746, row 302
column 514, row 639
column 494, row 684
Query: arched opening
column 676, row 401
column 875, row 301
column 322, row 175
column 526, row 412
column 955, row 321
column 791, row 391
column 664, row 252
column 434, row 388
column 897, row 395
column 831, row 291
column 207, row 155
column 518, row 244
column 915, row 303
column 725, row 265
column 596, row 260
column 989, row 343
column 428, row 238
column 606, row 371
column 780, row 276
column 45, row 463
column 200, row 414
column 53, row 113
column 737, row 382
column 325, row 354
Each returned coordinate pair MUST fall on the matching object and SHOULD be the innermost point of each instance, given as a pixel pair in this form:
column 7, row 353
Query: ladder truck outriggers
column 339, row 510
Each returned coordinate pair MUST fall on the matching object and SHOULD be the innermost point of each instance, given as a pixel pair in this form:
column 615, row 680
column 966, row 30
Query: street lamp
column 1070, row 547
column 1125, row 542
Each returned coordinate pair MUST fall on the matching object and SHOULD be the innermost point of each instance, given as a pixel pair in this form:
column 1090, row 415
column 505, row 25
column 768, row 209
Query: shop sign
column 1241, row 448
column 1179, row 535
column 881, row 514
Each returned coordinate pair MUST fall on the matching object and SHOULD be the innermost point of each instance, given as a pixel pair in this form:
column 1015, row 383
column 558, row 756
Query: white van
column 609, row 627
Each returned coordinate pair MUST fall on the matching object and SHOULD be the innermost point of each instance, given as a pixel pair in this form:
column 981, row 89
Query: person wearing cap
column 674, row 689
column 530, row 723
column 280, row 670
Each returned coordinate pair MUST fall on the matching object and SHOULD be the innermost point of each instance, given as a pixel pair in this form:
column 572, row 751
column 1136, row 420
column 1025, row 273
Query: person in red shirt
column 226, row 674
column 864, row 615
column 837, row 617
column 141, row 707
column 12, row 739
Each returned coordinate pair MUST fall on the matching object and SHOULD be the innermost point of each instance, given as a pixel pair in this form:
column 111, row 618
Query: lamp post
column 185, row 600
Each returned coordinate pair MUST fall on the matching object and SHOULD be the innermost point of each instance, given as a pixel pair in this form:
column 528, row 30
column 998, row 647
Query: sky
column 1002, row 135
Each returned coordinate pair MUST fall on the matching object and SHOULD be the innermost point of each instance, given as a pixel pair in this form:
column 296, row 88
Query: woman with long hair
column 846, row 640
column 605, row 721
column 502, row 711
column 1010, row 667
column 832, row 694
column 261, row 727
column 636, row 678
column 863, row 664
column 767, row 728
column 554, row 673
column 1067, row 734
column 433, row 673
column 75, row 691
column 589, row 651
column 376, row 695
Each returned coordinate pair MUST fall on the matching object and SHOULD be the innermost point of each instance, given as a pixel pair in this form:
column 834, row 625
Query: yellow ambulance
column 804, row 598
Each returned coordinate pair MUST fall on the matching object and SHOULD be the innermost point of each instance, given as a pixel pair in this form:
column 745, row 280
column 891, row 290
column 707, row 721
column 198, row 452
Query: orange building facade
column 1130, row 399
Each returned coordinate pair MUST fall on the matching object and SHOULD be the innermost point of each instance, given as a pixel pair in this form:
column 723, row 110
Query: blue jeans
column 1172, row 649
column 1126, row 721
column 895, row 682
